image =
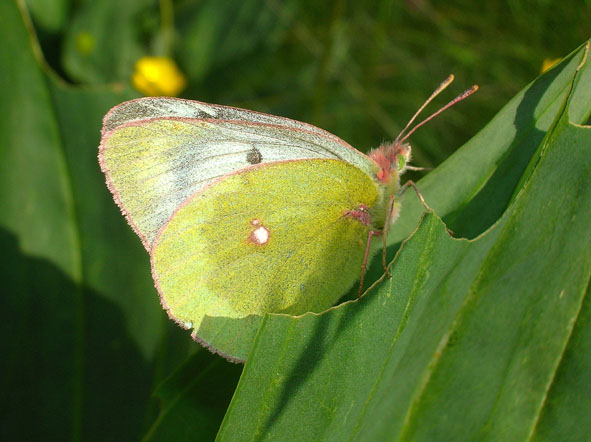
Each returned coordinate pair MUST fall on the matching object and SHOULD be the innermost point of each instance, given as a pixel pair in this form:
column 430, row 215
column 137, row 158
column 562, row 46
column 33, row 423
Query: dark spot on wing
column 254, row 156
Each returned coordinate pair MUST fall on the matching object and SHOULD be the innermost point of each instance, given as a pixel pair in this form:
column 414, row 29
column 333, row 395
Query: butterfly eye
column 401, row 162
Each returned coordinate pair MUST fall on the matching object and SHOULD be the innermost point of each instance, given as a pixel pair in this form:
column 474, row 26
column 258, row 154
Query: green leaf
column 86, row 339
column 32, row 164
column 469, row 339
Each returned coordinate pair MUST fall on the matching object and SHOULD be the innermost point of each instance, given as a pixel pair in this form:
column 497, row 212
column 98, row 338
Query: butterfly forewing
column 157, row 152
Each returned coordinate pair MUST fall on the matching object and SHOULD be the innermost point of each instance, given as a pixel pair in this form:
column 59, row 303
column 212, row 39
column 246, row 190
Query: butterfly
column 245, row 213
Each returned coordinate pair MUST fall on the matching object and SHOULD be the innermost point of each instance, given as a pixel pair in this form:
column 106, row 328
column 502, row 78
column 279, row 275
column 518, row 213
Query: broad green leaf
column 32, row 164
column 567, row 404
column 86, row 339
column 470, row 339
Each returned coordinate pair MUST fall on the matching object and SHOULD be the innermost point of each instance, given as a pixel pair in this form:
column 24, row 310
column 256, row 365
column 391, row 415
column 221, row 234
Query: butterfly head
column 392, row 160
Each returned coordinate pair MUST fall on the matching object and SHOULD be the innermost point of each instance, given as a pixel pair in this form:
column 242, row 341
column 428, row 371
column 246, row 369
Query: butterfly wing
column 273, row 238
column 156, row 152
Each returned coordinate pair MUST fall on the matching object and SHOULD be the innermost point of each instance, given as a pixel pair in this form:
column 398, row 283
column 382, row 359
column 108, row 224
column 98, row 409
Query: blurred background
column 86, row 342
column 358, row 69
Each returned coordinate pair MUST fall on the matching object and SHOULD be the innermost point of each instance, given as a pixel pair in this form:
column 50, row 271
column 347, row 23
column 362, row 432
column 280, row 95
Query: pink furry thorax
column 387, row 158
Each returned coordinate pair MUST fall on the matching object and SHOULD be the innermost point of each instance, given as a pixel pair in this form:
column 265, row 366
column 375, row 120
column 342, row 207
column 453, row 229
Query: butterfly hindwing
column 274, row 238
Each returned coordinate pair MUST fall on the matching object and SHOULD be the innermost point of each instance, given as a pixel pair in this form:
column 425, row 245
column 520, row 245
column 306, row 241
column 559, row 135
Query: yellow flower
column 157, row 76
column 548, row 63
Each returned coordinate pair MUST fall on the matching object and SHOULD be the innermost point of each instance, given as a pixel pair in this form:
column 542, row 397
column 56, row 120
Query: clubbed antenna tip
column 402, row 136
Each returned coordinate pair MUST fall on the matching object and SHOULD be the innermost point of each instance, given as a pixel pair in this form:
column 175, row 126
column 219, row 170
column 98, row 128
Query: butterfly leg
column 412, row 184
column 370, row 235
column 391, row 214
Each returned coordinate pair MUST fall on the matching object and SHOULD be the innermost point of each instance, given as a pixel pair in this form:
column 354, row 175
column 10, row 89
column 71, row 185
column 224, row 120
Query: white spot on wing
column 260, row 235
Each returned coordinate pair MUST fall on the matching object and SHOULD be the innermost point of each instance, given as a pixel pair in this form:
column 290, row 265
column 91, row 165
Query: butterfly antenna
column 436, row 92
column 460, row 97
